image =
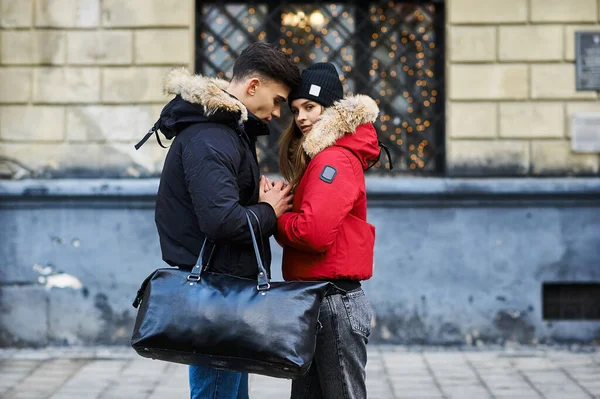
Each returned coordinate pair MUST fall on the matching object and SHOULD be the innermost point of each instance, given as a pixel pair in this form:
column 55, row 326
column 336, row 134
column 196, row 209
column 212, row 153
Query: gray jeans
column 338, row 369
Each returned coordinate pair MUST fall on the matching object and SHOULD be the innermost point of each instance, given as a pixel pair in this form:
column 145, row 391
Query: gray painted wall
column 457, row 260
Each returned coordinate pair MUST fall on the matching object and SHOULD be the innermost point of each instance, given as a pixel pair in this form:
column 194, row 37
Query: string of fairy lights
column 401, row 54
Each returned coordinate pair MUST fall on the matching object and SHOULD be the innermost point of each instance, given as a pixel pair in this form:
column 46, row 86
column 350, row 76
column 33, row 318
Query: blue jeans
column 208, row 383
column 338, row 369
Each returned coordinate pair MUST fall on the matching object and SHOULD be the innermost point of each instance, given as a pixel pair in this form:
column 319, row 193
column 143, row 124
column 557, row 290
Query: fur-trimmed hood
column 200, row 99
column 207, row 92
column 339, row 125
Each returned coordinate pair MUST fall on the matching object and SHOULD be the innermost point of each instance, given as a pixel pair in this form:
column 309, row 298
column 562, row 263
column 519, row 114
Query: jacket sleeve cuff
column 282, row 221
column 282, row 237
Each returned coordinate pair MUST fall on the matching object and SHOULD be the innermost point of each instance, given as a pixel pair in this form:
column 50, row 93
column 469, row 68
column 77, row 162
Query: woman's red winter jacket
column 327, row 236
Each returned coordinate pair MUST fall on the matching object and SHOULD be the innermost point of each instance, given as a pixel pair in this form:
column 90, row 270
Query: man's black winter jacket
column 210, row 177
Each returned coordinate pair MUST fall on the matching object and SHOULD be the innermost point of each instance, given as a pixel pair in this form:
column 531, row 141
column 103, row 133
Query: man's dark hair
column 268, row 61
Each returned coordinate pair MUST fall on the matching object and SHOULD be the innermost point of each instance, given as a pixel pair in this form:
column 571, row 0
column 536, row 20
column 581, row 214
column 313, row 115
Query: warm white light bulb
column 316, row 19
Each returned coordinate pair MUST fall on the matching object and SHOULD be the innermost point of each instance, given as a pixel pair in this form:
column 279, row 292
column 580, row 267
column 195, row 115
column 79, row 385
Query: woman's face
column 306, row 113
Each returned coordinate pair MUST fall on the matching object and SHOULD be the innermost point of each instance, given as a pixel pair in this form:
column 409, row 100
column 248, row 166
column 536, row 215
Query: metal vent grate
column 571, row 301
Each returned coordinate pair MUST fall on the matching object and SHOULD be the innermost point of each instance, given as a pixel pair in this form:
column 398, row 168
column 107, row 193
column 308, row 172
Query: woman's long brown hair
column 292, row 158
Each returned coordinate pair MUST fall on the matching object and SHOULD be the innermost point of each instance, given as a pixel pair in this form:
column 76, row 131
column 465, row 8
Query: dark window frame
column 364, row 29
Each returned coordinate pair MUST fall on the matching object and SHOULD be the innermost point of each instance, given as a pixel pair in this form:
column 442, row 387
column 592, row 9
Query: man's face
column 266, row 97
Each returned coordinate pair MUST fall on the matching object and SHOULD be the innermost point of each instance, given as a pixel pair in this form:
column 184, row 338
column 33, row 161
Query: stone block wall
column 81, row 82
column 511, row 86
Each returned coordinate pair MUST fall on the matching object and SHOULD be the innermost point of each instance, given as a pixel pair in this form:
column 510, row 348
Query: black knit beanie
column 320, row 83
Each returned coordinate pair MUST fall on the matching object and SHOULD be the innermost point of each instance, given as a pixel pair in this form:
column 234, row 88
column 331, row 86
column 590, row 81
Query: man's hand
column 279, row 196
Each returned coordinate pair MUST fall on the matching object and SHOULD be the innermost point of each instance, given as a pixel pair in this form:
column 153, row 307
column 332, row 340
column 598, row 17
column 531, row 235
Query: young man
column 211, row 177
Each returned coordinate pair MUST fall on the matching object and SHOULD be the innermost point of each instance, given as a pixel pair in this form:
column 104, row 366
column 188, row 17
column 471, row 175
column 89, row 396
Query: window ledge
column 376, row 186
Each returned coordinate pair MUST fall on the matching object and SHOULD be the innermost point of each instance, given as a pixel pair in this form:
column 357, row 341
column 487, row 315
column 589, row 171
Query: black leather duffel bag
column 227, row 322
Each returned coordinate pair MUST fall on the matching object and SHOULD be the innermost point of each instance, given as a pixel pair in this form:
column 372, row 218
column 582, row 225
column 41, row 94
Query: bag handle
column 260, row 233
column 194, row 276
column 262, row 278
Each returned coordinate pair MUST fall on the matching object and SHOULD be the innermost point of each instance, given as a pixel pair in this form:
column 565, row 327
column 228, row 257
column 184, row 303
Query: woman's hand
column 266, row 185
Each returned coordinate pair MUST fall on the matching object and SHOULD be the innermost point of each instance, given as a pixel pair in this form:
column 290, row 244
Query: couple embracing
column 211, row 179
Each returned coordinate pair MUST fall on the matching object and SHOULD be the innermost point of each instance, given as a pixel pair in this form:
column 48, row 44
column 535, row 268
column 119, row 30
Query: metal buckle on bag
column 194, row 278
column 264, row 287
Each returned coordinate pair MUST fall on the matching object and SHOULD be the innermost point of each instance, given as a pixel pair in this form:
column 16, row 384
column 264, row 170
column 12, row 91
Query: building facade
column 488, row 227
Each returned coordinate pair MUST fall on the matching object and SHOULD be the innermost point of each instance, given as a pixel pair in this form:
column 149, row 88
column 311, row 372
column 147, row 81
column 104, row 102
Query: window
column 392, row 51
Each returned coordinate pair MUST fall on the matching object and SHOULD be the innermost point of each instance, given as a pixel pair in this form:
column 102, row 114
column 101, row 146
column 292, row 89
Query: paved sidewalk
column 393, row 372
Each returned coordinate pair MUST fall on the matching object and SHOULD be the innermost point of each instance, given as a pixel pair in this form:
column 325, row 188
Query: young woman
column 323, row 156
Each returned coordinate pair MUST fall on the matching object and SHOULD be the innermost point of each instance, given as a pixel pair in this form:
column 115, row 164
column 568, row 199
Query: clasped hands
column 277, row 194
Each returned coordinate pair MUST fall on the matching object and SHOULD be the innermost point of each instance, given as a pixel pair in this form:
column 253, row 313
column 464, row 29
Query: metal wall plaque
column 585, row 132
column 587, row 60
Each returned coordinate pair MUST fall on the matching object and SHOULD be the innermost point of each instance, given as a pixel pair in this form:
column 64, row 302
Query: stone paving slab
column 393, row 372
